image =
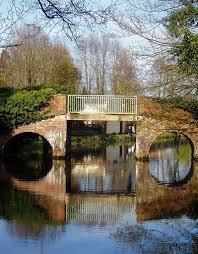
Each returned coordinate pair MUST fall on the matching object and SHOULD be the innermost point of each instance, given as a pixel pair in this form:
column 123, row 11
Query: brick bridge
column 151, row 119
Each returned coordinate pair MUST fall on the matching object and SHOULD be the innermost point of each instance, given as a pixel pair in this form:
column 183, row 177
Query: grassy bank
column 169, row 137
column 99, row 140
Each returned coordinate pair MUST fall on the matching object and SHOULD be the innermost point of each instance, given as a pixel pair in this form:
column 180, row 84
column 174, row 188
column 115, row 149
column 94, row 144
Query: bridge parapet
column 102, row 104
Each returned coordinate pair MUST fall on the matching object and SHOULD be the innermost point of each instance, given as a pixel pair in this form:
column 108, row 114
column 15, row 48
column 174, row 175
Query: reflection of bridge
column 95, row 209
column 109, row 172
column 151, row 118
column 152, row 200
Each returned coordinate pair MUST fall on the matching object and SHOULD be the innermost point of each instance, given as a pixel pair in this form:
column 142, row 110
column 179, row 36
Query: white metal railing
column 107, row 104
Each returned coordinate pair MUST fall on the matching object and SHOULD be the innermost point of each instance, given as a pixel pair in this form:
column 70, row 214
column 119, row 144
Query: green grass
column 169, row 137
column 96, row 141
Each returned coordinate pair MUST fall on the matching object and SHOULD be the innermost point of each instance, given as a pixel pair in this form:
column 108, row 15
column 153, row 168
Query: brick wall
column 58, row 104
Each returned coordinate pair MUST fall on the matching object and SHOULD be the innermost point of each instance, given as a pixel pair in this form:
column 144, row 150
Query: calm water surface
column 102, row 201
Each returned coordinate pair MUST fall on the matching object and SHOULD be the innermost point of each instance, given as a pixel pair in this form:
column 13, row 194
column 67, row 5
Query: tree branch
column 11, row 45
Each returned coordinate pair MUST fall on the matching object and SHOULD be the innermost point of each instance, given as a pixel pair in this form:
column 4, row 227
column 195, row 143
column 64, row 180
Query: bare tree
column 12, row 13
column 124, row 73
column 76, row 16
column 107, row 67
column 73, row 17
column 163, row 30
column 37, row 61
column 95, row 58
column 167, row 80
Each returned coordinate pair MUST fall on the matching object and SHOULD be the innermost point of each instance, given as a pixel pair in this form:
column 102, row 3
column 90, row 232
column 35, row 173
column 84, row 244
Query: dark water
column 102, row 201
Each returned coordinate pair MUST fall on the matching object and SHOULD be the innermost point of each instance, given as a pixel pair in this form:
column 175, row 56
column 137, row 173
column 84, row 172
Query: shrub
column 58, row 89
column 62, row 89
column 185, row 104
column 22, row 107
column 19, row 107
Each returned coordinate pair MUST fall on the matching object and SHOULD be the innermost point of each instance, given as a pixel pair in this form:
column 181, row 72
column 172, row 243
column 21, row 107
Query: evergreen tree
column 181, row 24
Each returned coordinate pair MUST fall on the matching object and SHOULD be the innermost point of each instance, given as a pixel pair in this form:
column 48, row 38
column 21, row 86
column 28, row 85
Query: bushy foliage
column 93, row 142
column 6, row 91
column 185, row 104
column 19, row 107
column 57, row 89
column 181, row 24
column 22, row 107
column 62, row 89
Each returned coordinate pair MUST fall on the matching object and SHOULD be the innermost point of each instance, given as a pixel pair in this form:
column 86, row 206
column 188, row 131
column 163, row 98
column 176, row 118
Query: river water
column 102, row 201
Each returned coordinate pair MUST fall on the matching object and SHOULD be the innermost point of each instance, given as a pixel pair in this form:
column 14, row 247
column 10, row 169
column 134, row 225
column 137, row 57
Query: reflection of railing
column 100, row 210
column 107, row 104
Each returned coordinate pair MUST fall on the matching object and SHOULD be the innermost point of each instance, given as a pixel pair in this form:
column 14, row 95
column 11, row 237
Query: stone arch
column 25, row 133
column 54, row 130
column 148, row 129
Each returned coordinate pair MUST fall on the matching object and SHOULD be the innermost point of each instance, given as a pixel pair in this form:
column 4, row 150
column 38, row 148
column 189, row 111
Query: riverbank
column 169, row 137
column 99, row 140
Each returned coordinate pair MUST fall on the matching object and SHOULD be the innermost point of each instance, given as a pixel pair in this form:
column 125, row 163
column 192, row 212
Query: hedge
column 19, row 107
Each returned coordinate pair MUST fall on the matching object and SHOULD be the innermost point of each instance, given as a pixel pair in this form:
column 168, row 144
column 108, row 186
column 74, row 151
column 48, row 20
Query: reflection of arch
column 158, row 200
column 180, row 182
column 166, row 164
column 158, row 134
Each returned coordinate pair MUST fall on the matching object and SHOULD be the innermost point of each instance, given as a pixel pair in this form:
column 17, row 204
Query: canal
column 101, row 200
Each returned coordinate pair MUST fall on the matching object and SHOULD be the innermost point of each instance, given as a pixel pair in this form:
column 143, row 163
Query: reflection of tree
column 23, row 206
column 28, row 213
column 163, row 236
column 36, row 209
column 182, row 153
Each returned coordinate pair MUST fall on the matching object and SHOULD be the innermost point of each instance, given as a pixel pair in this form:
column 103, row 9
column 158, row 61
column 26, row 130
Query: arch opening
column 171, row 158
column 28, row 156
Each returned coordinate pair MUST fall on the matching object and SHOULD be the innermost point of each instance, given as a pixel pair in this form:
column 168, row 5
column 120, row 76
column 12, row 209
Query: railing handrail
column 98, row 95
column 105, row 104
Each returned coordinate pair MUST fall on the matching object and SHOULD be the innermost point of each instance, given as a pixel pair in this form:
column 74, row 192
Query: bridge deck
column 100, row 117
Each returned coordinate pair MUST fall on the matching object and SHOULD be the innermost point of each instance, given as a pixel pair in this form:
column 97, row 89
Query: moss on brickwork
column 163, row 109
column 188, row 105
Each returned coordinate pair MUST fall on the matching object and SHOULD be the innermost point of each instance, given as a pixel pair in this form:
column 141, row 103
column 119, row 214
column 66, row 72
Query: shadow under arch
column 171, row 158
column 28, row 156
